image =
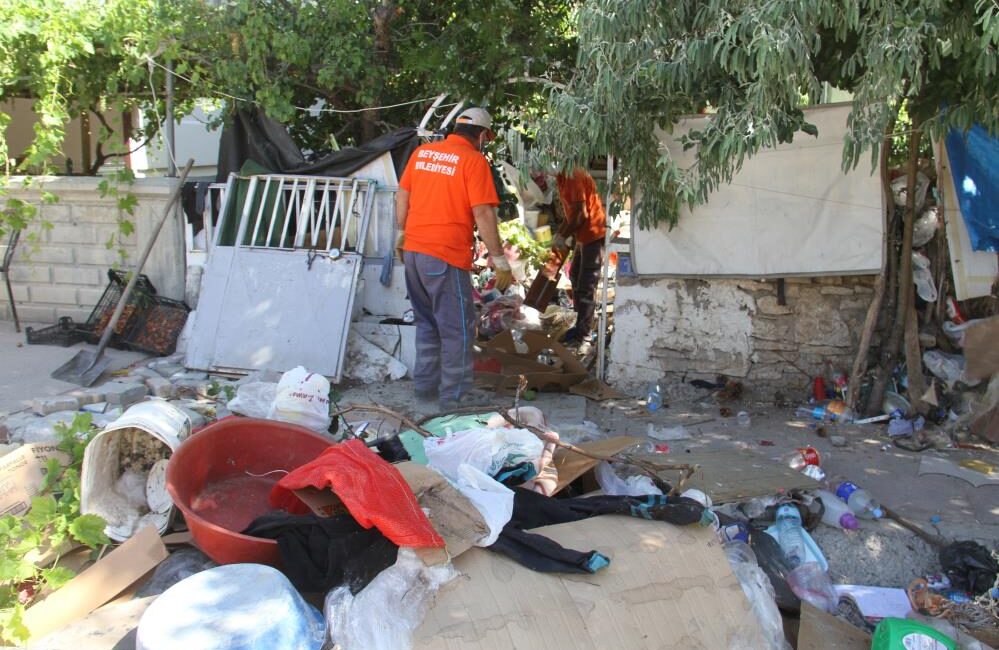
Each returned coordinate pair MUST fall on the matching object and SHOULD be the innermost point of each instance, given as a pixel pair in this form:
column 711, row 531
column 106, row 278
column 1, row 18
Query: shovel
column 87, row 366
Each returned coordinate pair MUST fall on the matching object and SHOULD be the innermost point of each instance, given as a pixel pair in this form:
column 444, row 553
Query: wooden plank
column 822, row 631
column 733, row 475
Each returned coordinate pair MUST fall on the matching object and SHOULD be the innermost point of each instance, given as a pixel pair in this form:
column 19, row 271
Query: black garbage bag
column 969, row 566
column 771, row 559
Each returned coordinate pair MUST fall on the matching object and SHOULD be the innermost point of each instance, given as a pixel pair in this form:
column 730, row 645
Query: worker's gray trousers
column 441, row 295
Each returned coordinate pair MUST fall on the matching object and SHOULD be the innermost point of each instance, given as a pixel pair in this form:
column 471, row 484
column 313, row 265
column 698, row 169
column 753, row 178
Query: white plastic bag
column 760, row 593
column 633, row 486
column 303, row 398
column 947, row 367
column 488, row 450
column 925, row 227
column 492, row 499
column 384, row 615
column 922, row 277
column 254, row 400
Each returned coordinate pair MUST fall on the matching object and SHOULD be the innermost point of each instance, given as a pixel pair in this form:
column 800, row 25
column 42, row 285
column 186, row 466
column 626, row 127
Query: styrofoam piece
column 102, row 468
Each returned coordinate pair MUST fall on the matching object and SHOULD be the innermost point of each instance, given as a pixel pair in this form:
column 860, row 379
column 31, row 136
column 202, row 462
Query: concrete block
column 87, row 396
column 836, row 291
column 36, row 314
column 94, row 213
column 54, row 294
column 160, row 387
column 33, row 273
column 88, row 296
column 72, row 234
column 21, row 293
column 49, row 405
column 77, row 275
column 105, row 233
column 55, row 212
column 97, row 255
column 45, row 254
column 124, row 394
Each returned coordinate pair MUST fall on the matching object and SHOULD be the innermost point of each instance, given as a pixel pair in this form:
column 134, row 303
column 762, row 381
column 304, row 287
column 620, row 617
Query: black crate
column 157, row 327
column 64, row 333
column 138, row 301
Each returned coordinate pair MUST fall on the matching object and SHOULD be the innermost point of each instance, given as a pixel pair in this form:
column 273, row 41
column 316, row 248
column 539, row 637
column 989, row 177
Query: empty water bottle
column 834, row 411
column 790, row 535
column 860, row 502
column 654, row 396
column 836, row 513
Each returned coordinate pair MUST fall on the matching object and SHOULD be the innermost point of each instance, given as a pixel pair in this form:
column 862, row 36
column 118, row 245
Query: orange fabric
column 580, row 188
column 445, row 180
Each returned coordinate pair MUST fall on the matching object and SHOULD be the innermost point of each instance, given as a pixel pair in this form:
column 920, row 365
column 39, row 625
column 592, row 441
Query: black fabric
column 320, row 553
column 539, row 553
column 533, row 510
column 251, row 135
column 969, row 566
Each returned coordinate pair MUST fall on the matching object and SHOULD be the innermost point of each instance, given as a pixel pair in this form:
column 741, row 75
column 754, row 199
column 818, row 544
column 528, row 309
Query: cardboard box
column 21, row 475
column 569, row 370
column 666, row 587
column 97, row 585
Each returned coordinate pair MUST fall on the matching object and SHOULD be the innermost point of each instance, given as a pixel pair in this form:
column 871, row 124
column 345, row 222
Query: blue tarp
column 974, row 163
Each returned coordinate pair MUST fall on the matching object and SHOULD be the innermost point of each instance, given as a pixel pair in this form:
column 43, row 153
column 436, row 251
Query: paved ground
column 24, row 369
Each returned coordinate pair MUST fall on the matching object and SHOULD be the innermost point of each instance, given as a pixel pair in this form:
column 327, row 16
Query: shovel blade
column 83, row 369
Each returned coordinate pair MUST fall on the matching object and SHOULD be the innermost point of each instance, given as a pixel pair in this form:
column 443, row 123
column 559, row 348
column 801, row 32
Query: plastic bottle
column 835, row 411
column 654, row 397
column 789, row 535
column 801, row 458
column 836, row 514
column 859, row 501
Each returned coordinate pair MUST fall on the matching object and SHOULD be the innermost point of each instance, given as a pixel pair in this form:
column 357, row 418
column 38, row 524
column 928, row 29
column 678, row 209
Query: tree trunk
column 382, row 16
column 907, row 318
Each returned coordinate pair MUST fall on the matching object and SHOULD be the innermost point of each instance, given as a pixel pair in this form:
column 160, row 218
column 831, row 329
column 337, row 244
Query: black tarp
column 252, row 135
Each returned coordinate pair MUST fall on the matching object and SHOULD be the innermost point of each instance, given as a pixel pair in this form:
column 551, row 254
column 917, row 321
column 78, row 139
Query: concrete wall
column 685, row 329
column 64, row 272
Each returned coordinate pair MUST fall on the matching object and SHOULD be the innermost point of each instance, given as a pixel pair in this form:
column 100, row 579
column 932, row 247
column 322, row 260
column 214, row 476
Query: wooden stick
column 385, row 411
column 929, row 538
column 867, row 334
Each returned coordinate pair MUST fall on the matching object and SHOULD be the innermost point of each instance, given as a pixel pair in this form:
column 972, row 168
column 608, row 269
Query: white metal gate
column 279, row 284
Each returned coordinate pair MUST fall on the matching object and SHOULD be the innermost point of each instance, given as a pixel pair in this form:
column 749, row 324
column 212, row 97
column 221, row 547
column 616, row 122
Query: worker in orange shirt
column 446, row 190
column 585, row 222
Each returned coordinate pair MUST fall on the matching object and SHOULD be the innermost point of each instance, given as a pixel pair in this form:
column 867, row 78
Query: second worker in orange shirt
column 446, row 190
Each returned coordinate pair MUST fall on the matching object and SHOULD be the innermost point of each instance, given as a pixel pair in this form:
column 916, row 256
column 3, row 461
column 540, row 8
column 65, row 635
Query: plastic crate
column 157, row 327
column 64, row 333
column 140, row 300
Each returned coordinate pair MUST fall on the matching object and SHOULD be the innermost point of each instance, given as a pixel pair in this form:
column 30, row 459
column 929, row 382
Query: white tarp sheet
column 789, row 211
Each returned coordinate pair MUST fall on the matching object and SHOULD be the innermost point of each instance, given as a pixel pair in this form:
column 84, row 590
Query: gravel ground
column 879, row 554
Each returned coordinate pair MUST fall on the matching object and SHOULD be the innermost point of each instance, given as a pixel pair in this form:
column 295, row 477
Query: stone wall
column 63, row 272
column 681, row 329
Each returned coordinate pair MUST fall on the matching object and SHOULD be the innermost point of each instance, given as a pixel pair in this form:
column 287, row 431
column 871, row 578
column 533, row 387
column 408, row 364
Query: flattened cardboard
column 822, row 631
column 21, row 475
column 981, row 350
column 538, row 375
column 98, row 584
column 571, row 465
column 666, row 587
column 733, row 475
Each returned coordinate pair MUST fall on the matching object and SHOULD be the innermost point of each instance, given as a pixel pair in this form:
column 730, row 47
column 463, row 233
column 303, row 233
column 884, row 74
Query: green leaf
column 89, row 530
column 57, row 576
column 43, row 509
column 12, row 629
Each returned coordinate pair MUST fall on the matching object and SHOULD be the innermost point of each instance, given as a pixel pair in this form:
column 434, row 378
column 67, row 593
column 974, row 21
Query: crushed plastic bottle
column 834, row 411
column 801, row 458
column 654, row 397
column 790, row 535
column 836, row 514
column 861, row 503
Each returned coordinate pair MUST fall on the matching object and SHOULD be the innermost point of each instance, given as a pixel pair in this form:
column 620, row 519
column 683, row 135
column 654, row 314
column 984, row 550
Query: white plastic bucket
column 123, row 478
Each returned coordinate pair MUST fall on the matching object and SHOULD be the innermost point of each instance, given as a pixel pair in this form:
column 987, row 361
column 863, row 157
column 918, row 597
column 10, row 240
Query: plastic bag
column 900, row 185
column 492, row 499
column 384, row 615
column 488, row 450
column 925, row 227
column 947, row 367
column 254, row 400
column 302, row 398
column 811, row 584
column 759, row 592
column 922, row 277
column 633, row 486
column 969, row 566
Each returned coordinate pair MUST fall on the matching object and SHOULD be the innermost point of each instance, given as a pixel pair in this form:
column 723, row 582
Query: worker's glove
column 504, row 274
column 399, row 240
column 560, row 244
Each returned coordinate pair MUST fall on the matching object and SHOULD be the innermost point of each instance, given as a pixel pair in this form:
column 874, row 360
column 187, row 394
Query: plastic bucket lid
column 231, row 607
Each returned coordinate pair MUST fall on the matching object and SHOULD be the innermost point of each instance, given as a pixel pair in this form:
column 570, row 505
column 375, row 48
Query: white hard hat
column 476, row 117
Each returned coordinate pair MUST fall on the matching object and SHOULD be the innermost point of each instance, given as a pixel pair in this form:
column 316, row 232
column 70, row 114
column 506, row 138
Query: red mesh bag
column 374, row 492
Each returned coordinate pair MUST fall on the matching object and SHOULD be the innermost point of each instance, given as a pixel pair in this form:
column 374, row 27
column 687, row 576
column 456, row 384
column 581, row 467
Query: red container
column 221, row 478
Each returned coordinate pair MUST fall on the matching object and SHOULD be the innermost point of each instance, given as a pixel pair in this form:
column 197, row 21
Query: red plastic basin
column 221, row 478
